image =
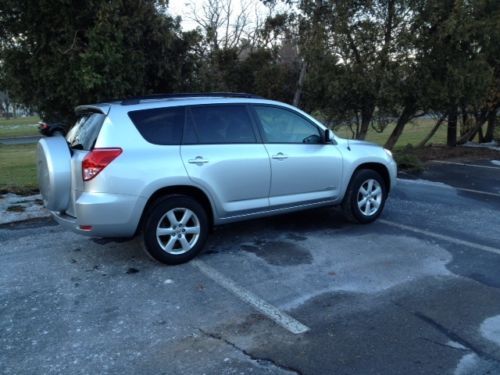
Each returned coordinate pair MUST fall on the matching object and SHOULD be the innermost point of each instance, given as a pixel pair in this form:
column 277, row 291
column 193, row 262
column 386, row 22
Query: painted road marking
column 272, row 312
column 464, row 164
column 444, row 186
column 442, row 237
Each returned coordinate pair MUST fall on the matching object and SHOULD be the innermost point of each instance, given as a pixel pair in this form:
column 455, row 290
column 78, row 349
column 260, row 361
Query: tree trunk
column 490, row 130
column 465, row 120
column 356, row 134
column 300, row 84
column 451, row 137
column 472, row 133
column 480, row 136
column 432, row 132
column 366, row 118
column 403, row 119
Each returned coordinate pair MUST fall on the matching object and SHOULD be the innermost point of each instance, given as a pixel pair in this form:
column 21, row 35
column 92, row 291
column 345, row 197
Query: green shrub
column 407, row 161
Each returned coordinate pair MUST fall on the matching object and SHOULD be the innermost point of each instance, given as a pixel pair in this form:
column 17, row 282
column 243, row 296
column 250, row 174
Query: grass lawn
column 18, row 127
column 18, row 167
column 413, row 133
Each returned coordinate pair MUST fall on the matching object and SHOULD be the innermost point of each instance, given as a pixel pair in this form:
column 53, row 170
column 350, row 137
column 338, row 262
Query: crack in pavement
column 445, row 345
column 453, row 336
column 259, row 360
column 449, row 334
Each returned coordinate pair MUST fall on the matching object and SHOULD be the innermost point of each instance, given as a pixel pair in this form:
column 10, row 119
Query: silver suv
column 172, row 166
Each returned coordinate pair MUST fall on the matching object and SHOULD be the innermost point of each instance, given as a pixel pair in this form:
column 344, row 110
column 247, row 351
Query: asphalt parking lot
column 417, row 292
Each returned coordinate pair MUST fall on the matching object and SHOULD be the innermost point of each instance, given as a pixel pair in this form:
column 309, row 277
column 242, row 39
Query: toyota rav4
column 169, row 167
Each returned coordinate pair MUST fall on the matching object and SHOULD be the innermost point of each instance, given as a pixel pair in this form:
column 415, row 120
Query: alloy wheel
column 178, row 231
column 369, row 197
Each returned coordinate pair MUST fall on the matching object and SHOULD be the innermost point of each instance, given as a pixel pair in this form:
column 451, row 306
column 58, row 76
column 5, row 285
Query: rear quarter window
column 85, row 131
column 161, row 126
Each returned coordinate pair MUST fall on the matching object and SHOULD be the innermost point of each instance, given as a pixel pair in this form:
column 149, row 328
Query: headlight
column 388, row 152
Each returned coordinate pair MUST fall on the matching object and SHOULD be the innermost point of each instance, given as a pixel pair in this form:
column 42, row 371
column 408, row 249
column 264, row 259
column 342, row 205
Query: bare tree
column 226, row 23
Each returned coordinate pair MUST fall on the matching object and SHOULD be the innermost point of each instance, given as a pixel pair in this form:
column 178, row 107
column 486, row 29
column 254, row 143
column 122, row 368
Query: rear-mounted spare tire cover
column 54, row 172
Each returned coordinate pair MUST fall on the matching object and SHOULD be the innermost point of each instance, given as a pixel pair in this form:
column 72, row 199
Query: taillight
column 97, row 160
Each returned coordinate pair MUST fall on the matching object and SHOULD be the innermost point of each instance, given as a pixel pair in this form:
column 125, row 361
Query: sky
column 183, row 8
column 180, row 8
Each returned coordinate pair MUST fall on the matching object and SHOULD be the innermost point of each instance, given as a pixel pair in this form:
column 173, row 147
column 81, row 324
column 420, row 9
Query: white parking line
column 444, row 186
column 272, row 312
column 442, row 237
column 463, row 164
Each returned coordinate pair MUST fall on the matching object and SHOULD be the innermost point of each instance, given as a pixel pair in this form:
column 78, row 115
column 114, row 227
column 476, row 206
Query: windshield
column 84, row 133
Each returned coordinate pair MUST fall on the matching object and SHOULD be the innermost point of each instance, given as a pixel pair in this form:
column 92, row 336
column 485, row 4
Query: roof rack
column 138, row 99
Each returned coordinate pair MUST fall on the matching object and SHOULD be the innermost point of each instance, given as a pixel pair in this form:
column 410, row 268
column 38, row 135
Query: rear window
column 161, row 126
column 85, row 131
column 222, row 124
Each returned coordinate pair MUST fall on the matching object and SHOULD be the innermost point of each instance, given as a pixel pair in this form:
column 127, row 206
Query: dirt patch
column 19, row 190
column 16, row 208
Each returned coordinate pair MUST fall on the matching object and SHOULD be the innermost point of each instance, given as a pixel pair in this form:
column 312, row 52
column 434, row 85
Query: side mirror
column 327, row 137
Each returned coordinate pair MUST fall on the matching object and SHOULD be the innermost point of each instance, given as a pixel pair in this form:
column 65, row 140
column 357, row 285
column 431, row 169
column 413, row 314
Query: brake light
column 97, row 160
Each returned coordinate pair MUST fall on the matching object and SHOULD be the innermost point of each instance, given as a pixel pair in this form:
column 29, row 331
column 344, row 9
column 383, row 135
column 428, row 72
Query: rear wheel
column 365, row 197
column 175, row 229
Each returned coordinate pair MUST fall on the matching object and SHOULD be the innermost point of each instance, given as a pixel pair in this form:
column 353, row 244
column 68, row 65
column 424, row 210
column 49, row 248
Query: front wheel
column 175, row 230
column 365, row 197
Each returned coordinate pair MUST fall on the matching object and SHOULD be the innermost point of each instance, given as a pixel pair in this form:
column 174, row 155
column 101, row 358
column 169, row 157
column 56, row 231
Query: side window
column 283, row 126
column 222, row 124
column 161, row 126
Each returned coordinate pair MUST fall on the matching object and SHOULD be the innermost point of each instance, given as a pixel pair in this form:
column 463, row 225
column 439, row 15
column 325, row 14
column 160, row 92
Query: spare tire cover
column 54, row 172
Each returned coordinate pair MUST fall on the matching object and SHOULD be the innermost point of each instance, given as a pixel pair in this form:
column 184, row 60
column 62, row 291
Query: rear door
column 81, row 139
column 223, row 154
column 304, row 168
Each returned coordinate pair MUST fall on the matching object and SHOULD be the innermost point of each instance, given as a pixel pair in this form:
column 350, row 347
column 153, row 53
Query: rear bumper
column 104, row 215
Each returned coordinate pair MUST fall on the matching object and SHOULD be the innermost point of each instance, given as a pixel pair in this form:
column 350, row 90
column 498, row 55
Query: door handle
column 198, row 160
column 280, row 156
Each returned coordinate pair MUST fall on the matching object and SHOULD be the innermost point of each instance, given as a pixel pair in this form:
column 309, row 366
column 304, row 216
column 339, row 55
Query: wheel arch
column 187, row 190
column 380, row 168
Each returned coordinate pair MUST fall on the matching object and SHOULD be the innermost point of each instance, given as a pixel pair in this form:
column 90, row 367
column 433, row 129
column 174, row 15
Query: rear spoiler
column 95, row 108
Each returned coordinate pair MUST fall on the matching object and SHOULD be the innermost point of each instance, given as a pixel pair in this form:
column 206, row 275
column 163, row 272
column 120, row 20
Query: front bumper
column 104, row 215
column 393, row 173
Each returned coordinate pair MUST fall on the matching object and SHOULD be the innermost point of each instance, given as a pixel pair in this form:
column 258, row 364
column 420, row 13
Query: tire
column 56, row 133
column 175, row 229
column 365, row 197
